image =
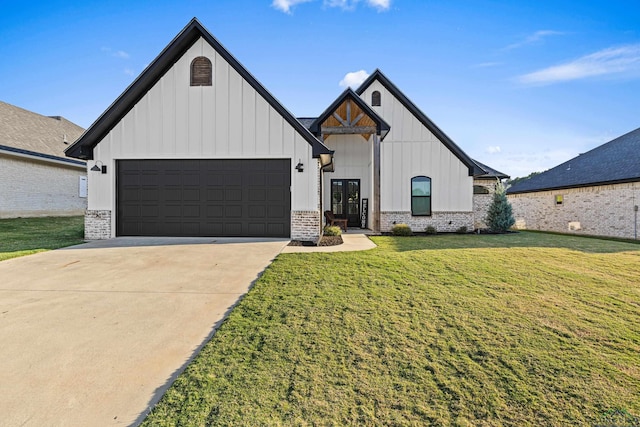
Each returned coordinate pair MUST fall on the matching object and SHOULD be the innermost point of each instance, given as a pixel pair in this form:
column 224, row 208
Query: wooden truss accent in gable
column 348, row 118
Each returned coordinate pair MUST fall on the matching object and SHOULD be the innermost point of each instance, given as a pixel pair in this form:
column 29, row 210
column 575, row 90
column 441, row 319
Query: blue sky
column 519, row 85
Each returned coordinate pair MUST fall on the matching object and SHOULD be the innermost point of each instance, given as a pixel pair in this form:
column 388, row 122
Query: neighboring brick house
column 596, row 193
column 36, row 179
column 196, row 146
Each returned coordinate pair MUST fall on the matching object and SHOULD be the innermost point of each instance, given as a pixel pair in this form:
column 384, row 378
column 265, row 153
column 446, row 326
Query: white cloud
column 121, row 54
column 354, row 79
column 486, row 64
column 118, row 54
column 129, row 72
column 534, row 38
column 619, row 60
column 286, row 5
column 380, row 5
column 493, row 149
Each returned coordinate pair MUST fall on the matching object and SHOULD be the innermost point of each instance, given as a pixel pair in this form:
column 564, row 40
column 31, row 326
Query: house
column 596, row 193
column 196, row 146
column 36, row 179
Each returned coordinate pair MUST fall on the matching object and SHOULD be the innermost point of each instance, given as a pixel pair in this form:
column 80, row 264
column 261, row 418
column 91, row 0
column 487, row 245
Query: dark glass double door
column 345, row 200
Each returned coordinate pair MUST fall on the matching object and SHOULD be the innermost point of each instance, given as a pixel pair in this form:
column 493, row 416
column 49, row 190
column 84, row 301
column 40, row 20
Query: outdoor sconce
column 102, row 168
column 300, row 166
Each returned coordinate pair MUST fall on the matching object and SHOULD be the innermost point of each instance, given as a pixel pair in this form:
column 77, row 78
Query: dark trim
column 568, row 187
column 448, row 142
column 42, row 155
column 381, row 125
column 489, row 173
column 83, row 147
column 430, row 196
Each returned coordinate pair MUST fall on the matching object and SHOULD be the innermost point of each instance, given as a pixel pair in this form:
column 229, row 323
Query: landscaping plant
column 500, row 215
column 401, row 230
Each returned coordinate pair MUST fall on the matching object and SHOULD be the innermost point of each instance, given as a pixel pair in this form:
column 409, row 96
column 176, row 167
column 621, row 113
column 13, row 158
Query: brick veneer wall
column 442, row 221
column 30, row 188
column 481, row 202
column 305, row 225
column 606, row 210
column 97, row 225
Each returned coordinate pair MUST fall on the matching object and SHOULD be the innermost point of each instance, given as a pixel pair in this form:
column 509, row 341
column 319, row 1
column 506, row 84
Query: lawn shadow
column 525, row 239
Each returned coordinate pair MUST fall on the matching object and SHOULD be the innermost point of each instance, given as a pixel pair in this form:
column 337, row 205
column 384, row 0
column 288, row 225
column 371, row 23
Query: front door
column 345, row 200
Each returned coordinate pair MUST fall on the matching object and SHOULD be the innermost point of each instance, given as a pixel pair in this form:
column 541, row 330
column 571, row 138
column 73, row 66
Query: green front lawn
column 24, row 236
column 526, row 329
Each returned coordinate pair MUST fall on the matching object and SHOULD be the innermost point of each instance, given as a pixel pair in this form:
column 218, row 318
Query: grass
column 525, row 329
column 25, row 236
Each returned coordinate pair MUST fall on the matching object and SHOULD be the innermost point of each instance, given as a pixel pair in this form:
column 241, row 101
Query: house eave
column 583, row 185
column 47, row 158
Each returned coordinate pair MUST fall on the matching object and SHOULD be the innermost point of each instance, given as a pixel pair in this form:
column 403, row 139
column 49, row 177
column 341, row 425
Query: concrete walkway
column 352, row 241
column 94, row 334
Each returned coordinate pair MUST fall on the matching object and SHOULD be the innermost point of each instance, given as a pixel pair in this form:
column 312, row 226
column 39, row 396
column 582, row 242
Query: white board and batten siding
column 410, row 149
column 353, row 159
column 229, row 119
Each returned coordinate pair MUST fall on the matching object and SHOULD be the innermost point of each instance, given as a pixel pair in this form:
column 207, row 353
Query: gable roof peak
column 378, row 75
column 83, row 147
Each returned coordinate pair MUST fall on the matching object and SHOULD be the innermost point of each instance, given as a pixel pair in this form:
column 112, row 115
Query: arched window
column 480, row 189
column 420, row 196
column 375, row 99
column 201, row 72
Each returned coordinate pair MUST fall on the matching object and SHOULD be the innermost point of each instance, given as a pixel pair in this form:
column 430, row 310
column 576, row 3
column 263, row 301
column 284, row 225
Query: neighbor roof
column 29, row 133
column 616, row 161
column 83, row 147
column 397, row 93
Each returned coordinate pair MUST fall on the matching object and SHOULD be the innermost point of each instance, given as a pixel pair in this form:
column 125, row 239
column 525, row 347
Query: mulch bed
column 324, row 241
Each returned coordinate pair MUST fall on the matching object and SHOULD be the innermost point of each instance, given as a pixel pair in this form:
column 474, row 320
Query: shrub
column 431, row 230
column 401, row 230
column 500, row 216
column 462, row 230
column 332, row 230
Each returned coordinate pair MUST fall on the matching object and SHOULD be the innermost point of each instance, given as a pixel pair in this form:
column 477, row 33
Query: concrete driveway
column 94, row 334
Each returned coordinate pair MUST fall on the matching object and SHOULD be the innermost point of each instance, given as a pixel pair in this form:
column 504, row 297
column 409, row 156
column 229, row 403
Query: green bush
column 401, row 230
column 332, row 230
column 462, row 230
column 431, row 230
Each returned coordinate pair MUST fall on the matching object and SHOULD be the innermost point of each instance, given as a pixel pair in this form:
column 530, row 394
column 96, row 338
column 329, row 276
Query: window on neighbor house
column 375, row 99
column 420, row 196
column 201, row 74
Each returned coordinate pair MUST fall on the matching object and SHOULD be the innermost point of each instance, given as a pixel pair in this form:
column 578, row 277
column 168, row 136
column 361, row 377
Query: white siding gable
column 410, row 149
column 229, row 119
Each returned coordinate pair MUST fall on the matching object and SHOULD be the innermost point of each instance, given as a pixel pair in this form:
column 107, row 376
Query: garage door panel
column 204, row 197
column 257, row 195
column 233, row 195
column 232, row 229
column 191, row 195
column 233, row 179
column 257, row 211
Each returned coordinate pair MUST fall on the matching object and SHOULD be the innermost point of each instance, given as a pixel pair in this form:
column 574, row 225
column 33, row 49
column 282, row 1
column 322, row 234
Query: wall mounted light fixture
column 300, row 166
column 102, row 168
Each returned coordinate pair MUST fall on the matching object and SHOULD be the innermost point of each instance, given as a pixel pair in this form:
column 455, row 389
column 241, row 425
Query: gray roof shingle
column 29, row 132
column 616, row 161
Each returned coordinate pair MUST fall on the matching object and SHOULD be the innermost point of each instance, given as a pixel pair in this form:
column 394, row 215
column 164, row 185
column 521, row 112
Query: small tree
column 500, row 216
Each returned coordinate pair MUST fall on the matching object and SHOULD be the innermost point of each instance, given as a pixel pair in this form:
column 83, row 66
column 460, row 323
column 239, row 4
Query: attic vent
column 201, row 74
column 375, row 99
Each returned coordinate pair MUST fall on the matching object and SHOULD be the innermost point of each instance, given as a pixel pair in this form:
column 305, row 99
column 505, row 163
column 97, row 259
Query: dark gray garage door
column 204, row 197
